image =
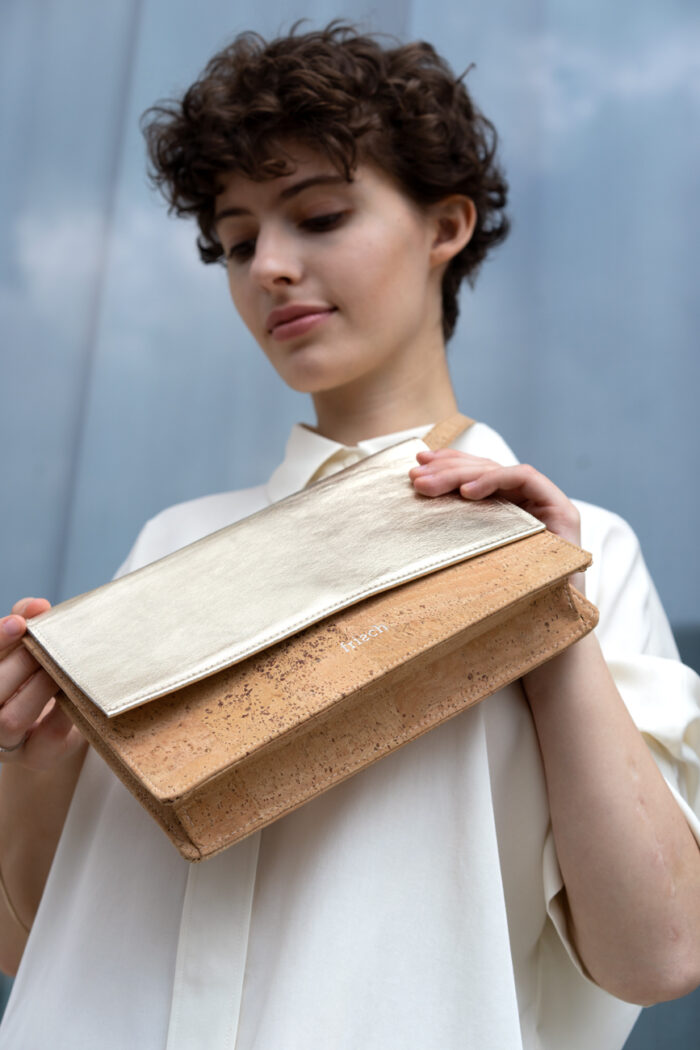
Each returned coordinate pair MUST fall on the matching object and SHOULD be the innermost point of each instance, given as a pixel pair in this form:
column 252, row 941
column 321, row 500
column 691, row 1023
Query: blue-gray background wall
column 127, row 382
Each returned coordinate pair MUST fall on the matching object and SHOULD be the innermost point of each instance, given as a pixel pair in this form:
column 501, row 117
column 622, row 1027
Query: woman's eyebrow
column 285, row 194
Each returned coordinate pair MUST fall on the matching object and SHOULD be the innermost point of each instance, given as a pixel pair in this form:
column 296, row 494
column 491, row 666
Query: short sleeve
column 661, row 694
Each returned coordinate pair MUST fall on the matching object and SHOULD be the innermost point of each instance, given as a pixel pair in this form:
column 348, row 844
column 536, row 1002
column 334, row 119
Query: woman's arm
column 36, row 782
column 630, row 864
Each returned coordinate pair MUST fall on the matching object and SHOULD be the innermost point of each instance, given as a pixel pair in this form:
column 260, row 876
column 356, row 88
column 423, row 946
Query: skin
column 372, row 262
column 378, row 362
column 37, row 780
column 630, row 864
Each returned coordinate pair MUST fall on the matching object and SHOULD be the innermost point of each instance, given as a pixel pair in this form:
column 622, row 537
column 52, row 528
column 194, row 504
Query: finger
column 439, row 455
column 451, row 460
column 30, row 607
column 11, row 630
column 427, row 455
column 56, row 720
column 533, row 492
column 522, row 483
column 53, row 739
column 20, row 714
column 16, row 668
column 449, row 477
column 14, row 626
column 477, row 479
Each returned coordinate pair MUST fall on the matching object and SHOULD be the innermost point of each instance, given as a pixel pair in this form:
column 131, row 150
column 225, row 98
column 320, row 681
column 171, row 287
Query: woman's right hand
column 29, row 714
column 42, row 757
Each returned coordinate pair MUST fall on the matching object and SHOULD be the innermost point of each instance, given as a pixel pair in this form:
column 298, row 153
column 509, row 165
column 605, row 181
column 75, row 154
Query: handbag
column 241, row 676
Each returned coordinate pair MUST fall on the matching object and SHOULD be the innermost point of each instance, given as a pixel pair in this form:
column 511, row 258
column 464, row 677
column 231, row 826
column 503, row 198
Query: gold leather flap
column 243, row 588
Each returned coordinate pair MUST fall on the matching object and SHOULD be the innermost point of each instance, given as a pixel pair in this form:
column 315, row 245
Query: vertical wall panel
column 63, row 91
column 580, row 341
column 127, row 382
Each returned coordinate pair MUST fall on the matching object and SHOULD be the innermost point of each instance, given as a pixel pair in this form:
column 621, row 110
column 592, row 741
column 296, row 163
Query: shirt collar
column 308, row 456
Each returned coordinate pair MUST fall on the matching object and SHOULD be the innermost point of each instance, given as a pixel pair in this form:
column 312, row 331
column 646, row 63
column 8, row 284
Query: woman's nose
column 275, row 261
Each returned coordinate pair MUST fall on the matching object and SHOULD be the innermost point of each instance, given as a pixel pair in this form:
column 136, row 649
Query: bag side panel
column 75, row 704
column 381, row 718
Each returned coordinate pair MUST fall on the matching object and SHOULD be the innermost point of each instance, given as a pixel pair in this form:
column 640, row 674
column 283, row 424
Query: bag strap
column 444, row 433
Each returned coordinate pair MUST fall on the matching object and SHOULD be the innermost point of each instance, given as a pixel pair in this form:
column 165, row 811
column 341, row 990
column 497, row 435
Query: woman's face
column 335, row 279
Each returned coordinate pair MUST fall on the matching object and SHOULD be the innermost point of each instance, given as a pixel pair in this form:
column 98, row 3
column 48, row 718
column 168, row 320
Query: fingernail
column 12, row 628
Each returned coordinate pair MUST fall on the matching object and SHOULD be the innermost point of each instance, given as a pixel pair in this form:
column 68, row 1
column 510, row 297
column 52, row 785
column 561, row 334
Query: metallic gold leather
column 238, row 591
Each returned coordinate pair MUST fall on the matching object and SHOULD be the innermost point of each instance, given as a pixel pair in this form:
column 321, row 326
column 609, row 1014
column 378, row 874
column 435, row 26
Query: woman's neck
column 386, row 403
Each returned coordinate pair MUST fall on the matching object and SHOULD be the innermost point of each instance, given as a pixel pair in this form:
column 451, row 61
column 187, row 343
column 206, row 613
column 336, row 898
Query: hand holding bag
column 232, row 681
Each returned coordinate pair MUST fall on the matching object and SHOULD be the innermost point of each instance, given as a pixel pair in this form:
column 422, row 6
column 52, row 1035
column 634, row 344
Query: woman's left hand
column 447, row 469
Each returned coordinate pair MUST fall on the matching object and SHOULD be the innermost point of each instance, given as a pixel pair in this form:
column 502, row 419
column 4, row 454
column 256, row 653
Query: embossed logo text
column 366, row 636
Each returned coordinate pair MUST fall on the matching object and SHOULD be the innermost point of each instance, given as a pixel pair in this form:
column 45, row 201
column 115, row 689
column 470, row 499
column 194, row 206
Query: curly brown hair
column 342, row 93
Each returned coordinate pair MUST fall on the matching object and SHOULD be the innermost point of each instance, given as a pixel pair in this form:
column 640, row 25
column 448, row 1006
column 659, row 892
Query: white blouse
column 417, row 906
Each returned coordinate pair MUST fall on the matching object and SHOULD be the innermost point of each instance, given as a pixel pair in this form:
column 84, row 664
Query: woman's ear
column 455, row 219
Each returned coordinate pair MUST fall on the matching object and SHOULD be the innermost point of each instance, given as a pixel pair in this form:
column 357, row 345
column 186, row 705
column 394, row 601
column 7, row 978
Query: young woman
column 517, row 877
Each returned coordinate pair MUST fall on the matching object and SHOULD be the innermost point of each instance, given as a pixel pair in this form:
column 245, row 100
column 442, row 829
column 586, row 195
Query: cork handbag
column 230, row 682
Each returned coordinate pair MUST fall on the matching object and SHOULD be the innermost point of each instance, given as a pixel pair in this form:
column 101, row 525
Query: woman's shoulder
column 186, row 522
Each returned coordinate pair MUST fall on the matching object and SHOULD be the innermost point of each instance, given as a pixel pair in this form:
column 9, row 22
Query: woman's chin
column 311, row 384
column 315, row 377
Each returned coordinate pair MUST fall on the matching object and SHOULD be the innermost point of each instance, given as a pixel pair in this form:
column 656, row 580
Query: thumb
column 29, row 607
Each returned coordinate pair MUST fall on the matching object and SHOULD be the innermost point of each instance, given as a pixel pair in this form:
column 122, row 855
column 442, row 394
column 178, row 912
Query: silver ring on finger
column 15, row 747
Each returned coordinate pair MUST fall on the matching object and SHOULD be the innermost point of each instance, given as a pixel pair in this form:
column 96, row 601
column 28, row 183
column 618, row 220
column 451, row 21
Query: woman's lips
column 300, row 325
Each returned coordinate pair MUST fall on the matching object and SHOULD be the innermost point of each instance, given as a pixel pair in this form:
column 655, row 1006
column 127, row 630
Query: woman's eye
column 319, row 223
column 242, row 251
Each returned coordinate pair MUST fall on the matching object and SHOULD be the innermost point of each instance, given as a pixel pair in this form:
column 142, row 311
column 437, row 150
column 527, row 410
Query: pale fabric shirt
column 418, row 906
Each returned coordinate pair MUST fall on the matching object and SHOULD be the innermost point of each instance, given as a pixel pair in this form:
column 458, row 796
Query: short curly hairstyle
column 344, row 94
